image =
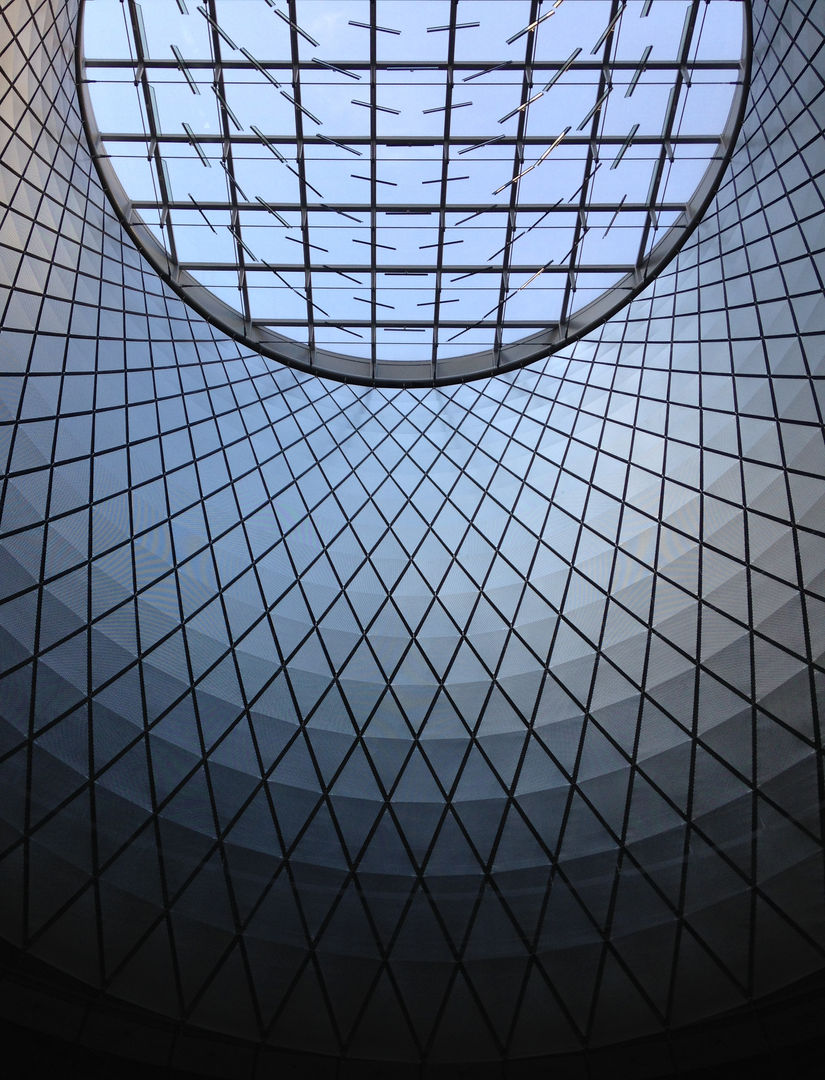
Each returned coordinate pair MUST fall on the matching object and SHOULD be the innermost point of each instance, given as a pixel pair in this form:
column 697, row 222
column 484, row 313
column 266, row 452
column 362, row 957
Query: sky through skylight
column 411, row 181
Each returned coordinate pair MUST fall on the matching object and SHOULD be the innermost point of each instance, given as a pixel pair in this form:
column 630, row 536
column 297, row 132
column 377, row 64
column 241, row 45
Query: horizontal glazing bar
column 241, row 139
column 414, row 209
column 420, row 270
column 413, row 65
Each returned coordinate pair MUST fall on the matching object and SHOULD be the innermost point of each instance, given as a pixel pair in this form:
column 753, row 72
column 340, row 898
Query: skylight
column 411, row 190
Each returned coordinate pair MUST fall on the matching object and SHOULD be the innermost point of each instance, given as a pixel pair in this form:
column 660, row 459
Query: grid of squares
column 477, row 722
column 419, row 192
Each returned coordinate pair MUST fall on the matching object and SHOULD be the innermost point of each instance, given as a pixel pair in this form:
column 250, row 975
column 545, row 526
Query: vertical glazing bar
column 301, row 167
column 445, row 167
column 518, row 163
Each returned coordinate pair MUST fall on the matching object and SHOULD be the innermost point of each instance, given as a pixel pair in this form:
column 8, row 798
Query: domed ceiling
column 460, row 725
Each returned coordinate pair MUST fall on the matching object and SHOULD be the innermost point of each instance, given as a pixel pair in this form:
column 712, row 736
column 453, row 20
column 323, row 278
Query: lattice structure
column 466, row 724
column 412, row 204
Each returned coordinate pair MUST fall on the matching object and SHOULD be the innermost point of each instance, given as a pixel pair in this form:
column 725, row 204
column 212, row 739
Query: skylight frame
column 540, row 338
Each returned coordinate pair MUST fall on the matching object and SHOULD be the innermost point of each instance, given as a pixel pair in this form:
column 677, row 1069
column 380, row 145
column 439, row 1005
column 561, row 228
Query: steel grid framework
column 676, row 528
column 509, row 339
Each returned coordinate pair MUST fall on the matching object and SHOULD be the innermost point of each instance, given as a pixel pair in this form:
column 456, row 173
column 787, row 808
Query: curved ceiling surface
column 411, row 193
column 473, row 723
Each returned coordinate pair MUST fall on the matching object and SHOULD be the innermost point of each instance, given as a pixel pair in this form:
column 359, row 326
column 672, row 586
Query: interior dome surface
column 433, row 726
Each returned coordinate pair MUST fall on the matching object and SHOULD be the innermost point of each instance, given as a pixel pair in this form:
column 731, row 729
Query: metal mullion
column 105, row 63
column 667, row 130
column 373, row 183
column 445, row 165
column 230, row 166
column 469, row 268
column 591, row 158
column 399, row 324
column 302, row 186
column 518, row 160
column 411, row 141
column 154, row 146
column 422, row 208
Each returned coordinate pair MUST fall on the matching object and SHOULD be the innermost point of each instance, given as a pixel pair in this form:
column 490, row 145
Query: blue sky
column 479, row 177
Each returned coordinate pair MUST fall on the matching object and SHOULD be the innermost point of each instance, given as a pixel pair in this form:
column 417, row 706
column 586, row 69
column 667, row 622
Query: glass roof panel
column 411, row 183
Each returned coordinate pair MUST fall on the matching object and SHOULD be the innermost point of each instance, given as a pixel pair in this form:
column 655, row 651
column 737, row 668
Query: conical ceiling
column 430, row 726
